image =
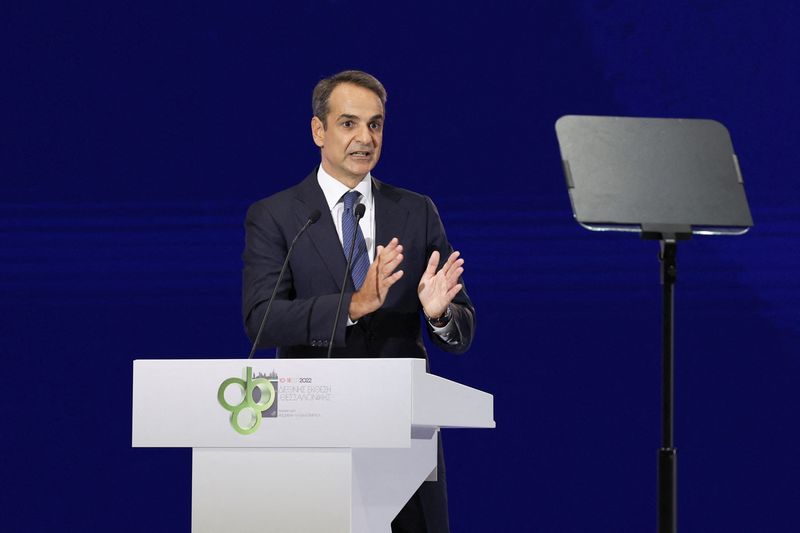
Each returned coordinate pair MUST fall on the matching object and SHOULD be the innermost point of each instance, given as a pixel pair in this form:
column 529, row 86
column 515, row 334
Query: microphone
column 312, row 218
column 359, row 213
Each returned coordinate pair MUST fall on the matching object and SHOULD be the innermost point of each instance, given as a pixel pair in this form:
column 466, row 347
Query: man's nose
column 364, row 135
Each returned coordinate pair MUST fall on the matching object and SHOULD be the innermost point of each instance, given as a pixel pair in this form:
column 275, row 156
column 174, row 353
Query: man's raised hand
column 437, row 289
column 380, row 277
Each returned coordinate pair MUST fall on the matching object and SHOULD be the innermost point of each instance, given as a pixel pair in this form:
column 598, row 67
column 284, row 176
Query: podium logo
column 258, row 400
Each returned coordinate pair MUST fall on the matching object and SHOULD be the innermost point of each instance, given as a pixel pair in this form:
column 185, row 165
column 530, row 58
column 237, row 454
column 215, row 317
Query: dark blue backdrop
column 134, row 136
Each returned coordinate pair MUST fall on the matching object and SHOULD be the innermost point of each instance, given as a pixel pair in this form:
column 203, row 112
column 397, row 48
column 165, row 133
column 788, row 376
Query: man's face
column 351, row 143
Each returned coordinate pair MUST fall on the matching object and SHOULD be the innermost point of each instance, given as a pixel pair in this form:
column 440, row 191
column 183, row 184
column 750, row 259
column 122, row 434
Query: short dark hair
column 323, row 90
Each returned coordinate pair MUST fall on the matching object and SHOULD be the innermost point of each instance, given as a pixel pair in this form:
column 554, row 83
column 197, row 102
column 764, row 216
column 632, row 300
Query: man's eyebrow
column 356, row 117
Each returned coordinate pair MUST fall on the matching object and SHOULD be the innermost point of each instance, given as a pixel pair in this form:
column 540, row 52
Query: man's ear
column 318, row 131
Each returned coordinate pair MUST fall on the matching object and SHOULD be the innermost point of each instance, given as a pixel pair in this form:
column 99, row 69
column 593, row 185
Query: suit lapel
column 390, row 221
column 390, row 216
column 322, row 234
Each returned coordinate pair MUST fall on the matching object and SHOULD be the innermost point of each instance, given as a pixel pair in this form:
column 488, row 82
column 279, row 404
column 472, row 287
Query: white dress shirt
column 334, row 189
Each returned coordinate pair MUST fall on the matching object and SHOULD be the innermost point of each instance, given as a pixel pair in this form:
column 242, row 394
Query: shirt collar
column 334, row 189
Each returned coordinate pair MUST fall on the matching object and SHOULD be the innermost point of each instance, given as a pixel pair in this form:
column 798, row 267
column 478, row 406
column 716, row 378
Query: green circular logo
column 248, row 403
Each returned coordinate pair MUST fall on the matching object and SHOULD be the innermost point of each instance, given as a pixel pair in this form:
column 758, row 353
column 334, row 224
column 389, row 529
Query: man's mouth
column 361, row 153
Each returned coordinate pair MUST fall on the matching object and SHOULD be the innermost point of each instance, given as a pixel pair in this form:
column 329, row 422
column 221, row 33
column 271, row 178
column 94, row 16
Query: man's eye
column 347, row 123
column 375, row 126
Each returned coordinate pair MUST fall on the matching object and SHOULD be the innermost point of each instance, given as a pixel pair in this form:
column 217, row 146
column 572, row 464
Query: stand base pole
column 667, row 490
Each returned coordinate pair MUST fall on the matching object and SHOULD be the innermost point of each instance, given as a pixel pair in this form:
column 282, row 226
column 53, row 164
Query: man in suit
column 402, row 262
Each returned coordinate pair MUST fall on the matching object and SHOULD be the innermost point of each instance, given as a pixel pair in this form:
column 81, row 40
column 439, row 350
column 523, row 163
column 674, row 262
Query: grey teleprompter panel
column 624, row 173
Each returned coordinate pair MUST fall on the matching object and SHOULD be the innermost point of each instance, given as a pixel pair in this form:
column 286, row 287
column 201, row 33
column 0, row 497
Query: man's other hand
column 437, row 289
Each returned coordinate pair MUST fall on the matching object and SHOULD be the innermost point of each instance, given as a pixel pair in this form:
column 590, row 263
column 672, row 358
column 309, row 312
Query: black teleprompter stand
column 667, row 454
column 665, row 179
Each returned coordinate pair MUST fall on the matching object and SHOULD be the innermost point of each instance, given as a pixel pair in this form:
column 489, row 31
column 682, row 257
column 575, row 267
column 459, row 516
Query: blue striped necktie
column 349, row 227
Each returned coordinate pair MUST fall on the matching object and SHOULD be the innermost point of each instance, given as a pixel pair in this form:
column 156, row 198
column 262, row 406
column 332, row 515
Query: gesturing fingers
column 390, row 257
column 388, row 265
column 453, row 291
column 455, row 272
column 433, row 264
column 393, row 244
column 387, row 259
column 391, row 280
column 452, row 269
column 450, row 263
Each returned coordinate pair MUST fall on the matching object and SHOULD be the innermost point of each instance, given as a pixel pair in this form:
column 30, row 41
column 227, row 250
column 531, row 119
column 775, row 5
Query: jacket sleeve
column 459, row 337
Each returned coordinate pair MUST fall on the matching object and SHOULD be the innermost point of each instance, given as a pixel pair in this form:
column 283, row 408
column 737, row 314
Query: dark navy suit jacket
column 302, row 315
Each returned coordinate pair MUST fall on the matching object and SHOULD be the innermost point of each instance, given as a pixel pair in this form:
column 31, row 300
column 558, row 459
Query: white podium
column 301, row 445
